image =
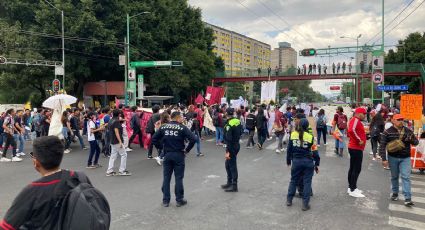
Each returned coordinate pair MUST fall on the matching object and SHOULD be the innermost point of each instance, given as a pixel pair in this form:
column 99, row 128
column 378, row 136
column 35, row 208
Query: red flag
column 214, row 95
column 199, row 99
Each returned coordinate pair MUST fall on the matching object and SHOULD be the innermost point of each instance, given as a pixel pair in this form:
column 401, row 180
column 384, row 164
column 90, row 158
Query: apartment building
column 284, row 57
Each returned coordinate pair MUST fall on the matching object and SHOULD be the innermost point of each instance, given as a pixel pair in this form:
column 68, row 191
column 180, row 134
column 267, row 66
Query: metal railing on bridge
column 360, row 69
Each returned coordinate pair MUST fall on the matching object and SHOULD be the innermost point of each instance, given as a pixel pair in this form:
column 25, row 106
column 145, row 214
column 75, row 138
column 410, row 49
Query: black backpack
column 150, row 127
column 216, row 120
column 250, row 122
column 83, row 207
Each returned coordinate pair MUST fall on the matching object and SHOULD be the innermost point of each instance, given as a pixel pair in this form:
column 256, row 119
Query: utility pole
column 127, row 54
column 63, row 54
column 126, row 71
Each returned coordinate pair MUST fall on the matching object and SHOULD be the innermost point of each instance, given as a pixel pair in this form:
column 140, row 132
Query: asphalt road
column 260, row 203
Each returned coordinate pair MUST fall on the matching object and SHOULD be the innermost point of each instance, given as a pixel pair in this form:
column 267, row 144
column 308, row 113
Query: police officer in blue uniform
column 171, row 137
column 305, row 159
column 232, row 135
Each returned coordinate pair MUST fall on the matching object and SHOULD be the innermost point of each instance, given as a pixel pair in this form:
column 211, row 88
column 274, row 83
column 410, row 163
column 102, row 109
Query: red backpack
column 342, row 121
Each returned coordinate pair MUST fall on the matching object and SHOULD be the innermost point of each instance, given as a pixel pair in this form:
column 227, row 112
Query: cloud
column 313, row 23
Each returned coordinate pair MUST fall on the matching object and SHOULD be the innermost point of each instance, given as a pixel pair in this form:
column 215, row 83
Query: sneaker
column 249, row 147
column 378, row 157
column 277, row 150
column 325, row 144
column 5, row 159
column 356, row 194
column 111, row 174
column 67, row 151
column 283, row 150
column 181, row 203
column 85, row 148
column 394, row 197
column 22, row 154
column 124, row 173
column 165, row 204
column 18, row 154
column 288, row 203
column 128, row 149
column 90, row 167
column 199, row 155
column 408, row 203
column 371, row 153
column 158, row 161
column 224, row 145
column 305, row 207
column 16, row 159
column 270, row 138
column 150, row 157
column 373, row 158
column 98, row 166
column 358, row 190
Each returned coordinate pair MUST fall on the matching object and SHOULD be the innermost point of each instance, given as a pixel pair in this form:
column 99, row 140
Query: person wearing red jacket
column 356, row 146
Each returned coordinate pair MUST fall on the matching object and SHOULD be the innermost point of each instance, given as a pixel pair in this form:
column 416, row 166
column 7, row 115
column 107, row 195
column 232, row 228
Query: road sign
column 378, row 62
column 378, row 77
column 2, row 60
column 140, row 86
column 392, row 87
column 145, row 64
column 121, row 60
column 335, row 87
column 59, row 70
column 132, row 74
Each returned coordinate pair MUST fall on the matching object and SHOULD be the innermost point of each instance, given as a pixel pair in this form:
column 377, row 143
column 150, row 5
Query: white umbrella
column 59, row 100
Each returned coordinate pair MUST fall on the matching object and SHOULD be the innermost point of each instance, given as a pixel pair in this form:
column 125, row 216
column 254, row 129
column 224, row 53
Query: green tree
column 95, row 32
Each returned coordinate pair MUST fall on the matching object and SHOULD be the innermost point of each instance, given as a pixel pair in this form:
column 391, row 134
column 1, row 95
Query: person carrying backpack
column 340, row 122
column 135, row 126
column 250, row 124
column 321, row 126
column 218, row 124
column 60, row 199
column 150, row 127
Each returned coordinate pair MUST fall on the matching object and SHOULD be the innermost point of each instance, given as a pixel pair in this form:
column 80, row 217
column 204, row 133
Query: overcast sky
column 315, row 23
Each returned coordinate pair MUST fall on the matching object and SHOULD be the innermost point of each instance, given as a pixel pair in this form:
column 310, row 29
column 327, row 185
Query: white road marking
column 415, row 182
column 212, row 176
column 272, row 146
column 257, row 159
column 416, row 190
column 418, row 200
column 416, row 176
column 402, row 208
column 405, row 223
column 211, row 140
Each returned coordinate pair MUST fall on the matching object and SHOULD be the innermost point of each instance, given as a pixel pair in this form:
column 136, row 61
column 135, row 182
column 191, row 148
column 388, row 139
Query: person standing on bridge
column 319, row 68
column 314, row 68
column 344, row 66
column 325, row 68
column 338, row 67
column 350, row 67
column 333, row 68
column 298, row 70
column 310, row 68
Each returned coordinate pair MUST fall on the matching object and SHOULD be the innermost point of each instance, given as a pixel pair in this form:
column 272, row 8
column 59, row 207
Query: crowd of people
column 175, row 130
column 338, row 68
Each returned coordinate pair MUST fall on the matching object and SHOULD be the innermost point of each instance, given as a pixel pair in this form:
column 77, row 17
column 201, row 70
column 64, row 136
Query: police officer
column 232, row 135
column 304, row 162
column 172, row 137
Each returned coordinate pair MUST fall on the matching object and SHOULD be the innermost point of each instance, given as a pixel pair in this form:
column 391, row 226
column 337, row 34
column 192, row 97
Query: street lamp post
column 357, row 71
column 63, row 44
column 128, row 51
column 105, row 96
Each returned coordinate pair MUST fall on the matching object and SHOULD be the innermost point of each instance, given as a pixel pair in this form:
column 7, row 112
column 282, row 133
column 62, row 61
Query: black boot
column 226, row 186
column 232, row 188
column 336, row 151
column 305, row 207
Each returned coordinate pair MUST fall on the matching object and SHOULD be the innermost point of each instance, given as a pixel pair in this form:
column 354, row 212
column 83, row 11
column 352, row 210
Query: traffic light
column 2, row 60
column 56, row 85
column 308, row 52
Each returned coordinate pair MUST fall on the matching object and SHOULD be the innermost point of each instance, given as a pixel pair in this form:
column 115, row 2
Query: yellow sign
column 411, row 106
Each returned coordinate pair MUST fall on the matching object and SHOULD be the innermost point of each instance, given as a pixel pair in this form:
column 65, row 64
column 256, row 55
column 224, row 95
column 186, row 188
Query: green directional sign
column 146, row 64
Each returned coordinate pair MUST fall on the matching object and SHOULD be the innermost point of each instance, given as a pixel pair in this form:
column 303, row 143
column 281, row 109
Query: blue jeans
column 94, row 151
column 219, row 134
column 20, row 138
column 321, row 132
column 173, row 162
column 198, row 143
column 301, row 167
column 338, row 143
column 400, row 167
column 80, row 138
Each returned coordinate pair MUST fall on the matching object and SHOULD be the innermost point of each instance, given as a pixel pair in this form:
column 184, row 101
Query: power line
column 90, row 54
column 407, row 6
column 417, row 7
column 286, row 22
column 252, row 12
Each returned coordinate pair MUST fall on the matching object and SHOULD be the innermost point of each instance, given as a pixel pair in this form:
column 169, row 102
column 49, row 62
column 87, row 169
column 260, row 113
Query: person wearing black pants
column 356, row 146
column 135, row 125
column 232, row 135
column 261, row 124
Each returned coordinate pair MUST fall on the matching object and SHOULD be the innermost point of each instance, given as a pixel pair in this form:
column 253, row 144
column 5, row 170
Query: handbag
column 396, row 145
